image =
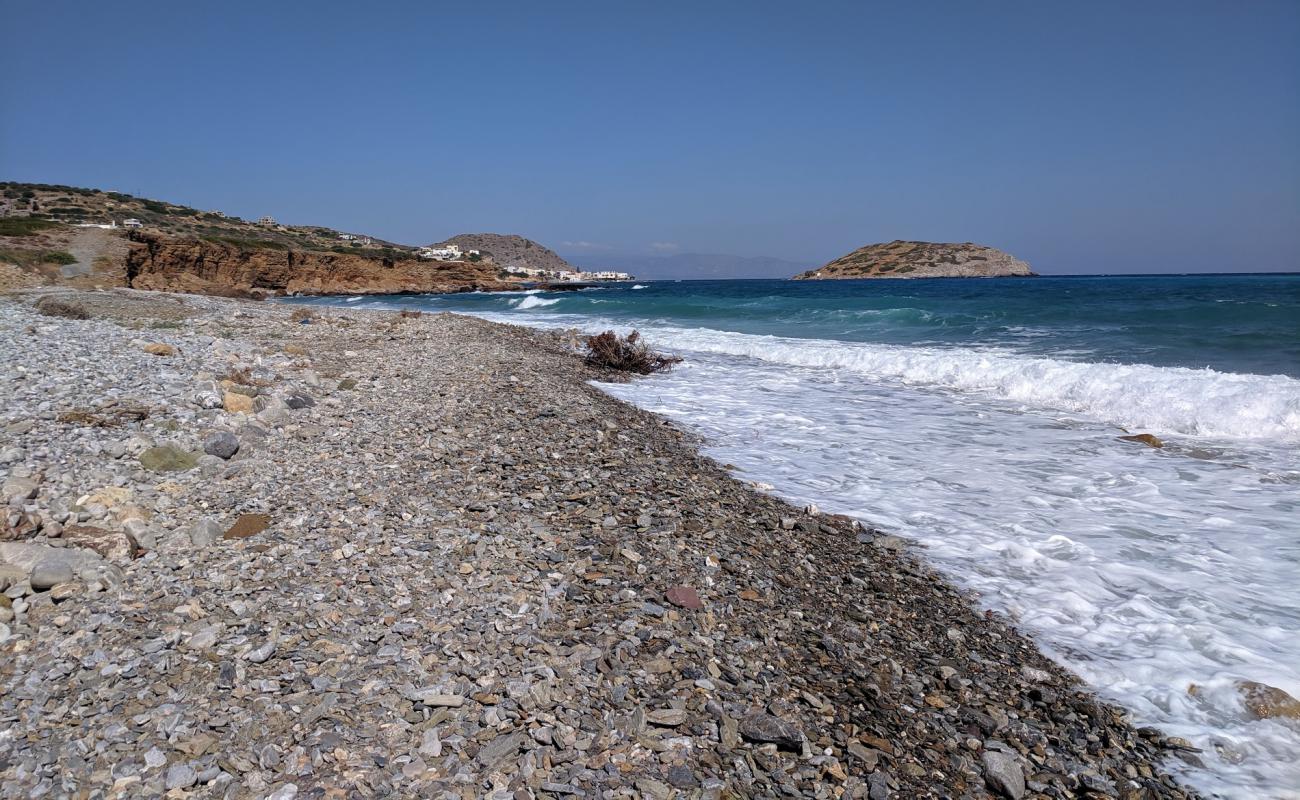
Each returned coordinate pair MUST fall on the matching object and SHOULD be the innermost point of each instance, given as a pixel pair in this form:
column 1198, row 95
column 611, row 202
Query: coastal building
column 267, row 220
column 601, row 275
column 448, row 252
column 132, row 222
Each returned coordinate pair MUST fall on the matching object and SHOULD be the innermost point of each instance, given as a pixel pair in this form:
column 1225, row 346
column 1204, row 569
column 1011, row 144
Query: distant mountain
column 509, row 250
column 692, row 266
column 900, row 259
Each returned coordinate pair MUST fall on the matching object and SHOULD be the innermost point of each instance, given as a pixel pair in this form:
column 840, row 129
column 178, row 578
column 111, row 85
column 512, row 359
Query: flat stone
column 680, row 776
column 168, row 458
column 501, row 748
column 767, row 728
column 684, row 597
column 666, row 717
column 248, row 525
column 438, row 700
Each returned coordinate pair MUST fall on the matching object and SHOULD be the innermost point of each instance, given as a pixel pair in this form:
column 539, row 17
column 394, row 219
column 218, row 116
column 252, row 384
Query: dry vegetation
column 54, row 307
column 628, row 353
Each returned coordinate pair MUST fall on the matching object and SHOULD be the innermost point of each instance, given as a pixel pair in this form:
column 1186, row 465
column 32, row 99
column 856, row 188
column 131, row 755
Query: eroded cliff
column 207, row 267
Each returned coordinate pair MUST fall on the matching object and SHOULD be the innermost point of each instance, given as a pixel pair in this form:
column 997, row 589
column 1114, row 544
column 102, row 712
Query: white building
column 603, row 275
column 449, row 252
column 267, row 220
column 132, row 222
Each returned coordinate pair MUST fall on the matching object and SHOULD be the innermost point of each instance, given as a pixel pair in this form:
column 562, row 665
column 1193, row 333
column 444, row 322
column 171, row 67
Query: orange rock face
column 204, row 267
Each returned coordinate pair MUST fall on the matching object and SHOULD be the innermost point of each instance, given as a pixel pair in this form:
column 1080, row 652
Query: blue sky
column 1097, row 137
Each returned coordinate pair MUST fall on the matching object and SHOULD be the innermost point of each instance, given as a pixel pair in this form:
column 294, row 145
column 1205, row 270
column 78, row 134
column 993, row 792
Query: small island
column 901, row 259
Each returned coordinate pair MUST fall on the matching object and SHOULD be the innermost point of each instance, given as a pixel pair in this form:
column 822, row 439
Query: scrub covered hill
column 900, row 259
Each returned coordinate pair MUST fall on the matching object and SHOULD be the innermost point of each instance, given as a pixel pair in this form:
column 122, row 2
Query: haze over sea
column 980, row 418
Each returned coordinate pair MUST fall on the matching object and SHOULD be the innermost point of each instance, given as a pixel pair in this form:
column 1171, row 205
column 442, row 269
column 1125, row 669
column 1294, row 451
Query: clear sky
column 1082, row 137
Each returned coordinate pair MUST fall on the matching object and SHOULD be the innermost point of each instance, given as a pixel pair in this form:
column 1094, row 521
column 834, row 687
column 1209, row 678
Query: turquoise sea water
column 980, row 418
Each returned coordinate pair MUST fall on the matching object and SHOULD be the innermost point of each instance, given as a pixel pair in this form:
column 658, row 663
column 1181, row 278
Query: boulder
column 208, row 395
column 1148, row 439
column 19, row 489
column 237, row 403
column 1268, row 702
column 118, row 546
column 109, row 497
column 159, row 349
column 50, row 565
column 221, row 444
column 205, row 532
column 297, row 400
column 168, row 458
column 1003, row 775
column 275, row 415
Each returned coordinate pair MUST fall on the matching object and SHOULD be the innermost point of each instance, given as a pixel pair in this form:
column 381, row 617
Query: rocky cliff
column 899, row 259
column 208, row 267
column 508, row 250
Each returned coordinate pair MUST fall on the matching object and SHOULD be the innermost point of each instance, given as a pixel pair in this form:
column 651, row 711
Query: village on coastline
column 72, row 208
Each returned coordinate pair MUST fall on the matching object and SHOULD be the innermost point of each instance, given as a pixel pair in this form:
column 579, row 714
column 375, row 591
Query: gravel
column 440, row 564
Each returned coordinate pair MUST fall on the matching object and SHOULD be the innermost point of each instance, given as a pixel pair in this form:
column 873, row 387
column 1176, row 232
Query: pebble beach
column 253, row 550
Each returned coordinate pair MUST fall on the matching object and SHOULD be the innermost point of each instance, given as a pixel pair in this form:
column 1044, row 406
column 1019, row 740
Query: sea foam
column 1172, row 400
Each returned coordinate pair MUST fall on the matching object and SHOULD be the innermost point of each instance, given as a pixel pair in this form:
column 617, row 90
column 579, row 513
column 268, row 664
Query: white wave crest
column 638, row 286
column 532, row 301
column 1169, row 399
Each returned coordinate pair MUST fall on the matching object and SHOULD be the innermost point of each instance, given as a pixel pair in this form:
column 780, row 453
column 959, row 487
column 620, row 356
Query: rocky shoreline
column 252, row 551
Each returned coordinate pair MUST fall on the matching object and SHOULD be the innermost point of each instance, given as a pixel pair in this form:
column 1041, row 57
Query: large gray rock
column 206, row 532
column 19, row 489
column 1003, row 774
column 222, row 444
column 53, row 561
column 47, row 574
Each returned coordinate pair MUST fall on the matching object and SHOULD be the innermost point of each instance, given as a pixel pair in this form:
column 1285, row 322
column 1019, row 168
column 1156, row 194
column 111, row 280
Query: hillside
column 72, row 205
column 509, row 250
column 45, row 239
column 900, row 259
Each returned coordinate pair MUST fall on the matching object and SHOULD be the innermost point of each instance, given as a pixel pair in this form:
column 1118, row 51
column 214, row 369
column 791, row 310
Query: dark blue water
column 1230, row 323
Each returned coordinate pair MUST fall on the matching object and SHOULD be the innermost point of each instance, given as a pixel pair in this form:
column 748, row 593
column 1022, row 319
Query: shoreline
column 481, row 576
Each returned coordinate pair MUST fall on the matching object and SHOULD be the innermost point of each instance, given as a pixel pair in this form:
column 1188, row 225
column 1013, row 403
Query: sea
column 981, row 419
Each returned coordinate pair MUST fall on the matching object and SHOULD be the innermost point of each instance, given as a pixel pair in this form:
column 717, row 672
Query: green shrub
column 24, row 226
column 32, row 258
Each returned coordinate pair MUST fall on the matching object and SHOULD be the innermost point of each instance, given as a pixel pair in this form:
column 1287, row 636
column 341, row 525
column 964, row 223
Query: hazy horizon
column 1098, row 139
